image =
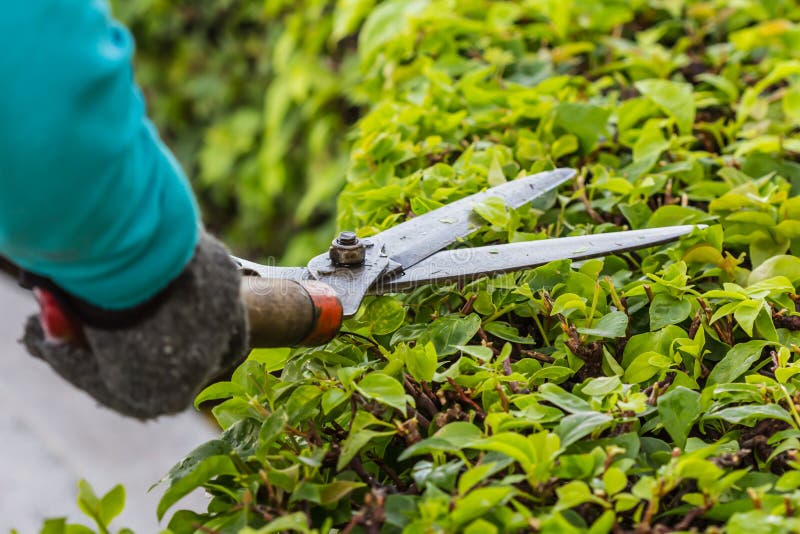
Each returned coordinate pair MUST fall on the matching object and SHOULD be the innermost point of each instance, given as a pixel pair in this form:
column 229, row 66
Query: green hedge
column 652, row 392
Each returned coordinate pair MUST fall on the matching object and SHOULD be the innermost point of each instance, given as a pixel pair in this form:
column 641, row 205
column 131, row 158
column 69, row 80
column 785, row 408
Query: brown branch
column 513, row 386
column 724, row 336
column 424, row 421
column 581, row 182
column 355, row 520
column 422, row 400
column 503, row 398
column 649, row 291
column 537, row 356
column 695, row 326
column 689, row 518
column 466, row 309
column 464, row 397
column 388, row 470
column 358, row 467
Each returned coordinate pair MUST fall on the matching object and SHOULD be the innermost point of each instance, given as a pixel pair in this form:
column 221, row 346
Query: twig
column 355, row 520
column 581, row 182
column 388, row 470
column 358, row 467
column 513, row 386
column 503, row 398
column 424, row 421
column 466, row 309
column 689, row 518
column 695, row 326
column 726, row 337
column 649, row 291
column 423, row 400
column 537, row 356
column 464, row 397
column 486, row 342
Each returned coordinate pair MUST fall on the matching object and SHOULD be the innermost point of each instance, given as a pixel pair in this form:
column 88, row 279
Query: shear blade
column 470, row 263
column 416, row 239
column 402, row 246
column 248, row 267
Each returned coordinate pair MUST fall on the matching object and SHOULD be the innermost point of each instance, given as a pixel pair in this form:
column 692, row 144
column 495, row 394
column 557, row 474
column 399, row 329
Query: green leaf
column 448, row 332
column 512, row 445
column 421, row 362
column 385, row 22
column 574, row 493
column 788, row 266
column 348, row 15
column 611, row 325
column 737, row 361
column 578, row 425
column 479, row 502
column 677, row 215
column 88, row 502
column 493, row 210
column 385, row 315
column 53, row 526
column 384, row 389
column 761, row 522
column 507, row 332
column 674, row 98
column 112, row 504
column 614, row 480
column 451, row 438
column 563, row 399
column 647, row 150
column 749, row 414
column 220, row 390
column 337, row 490
column 358, row 437
column 484, row 354
column 641, row 369
column 191, row 479
column 746, row 313
column 296, row 522
column 586, row 121
column 601, row 386
column 679, row 408
column 272, row 359
column 666, row 310
column 474, row 476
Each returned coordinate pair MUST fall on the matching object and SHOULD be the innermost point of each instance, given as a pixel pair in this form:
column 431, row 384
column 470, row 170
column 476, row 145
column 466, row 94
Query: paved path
column 52, row 435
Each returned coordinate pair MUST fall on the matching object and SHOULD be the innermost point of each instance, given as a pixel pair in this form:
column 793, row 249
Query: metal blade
column 401, row 246
column 416, row 239
column 272, row 271
column 470, row 263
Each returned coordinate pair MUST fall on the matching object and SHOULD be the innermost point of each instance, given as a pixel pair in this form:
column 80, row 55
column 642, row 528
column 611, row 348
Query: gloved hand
column 152, row 360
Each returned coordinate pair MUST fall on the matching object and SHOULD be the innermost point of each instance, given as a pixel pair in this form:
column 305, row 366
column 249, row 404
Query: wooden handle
column 286, row 313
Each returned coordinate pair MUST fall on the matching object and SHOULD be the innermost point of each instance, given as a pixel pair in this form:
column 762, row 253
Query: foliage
column 101, row 510
column 656, row 391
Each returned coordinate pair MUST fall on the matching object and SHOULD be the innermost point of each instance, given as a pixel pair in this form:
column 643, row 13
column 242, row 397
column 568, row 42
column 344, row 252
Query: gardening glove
column 152, row 359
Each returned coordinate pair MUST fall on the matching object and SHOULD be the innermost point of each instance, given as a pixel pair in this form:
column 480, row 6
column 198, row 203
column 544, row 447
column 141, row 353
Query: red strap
column 58, row 325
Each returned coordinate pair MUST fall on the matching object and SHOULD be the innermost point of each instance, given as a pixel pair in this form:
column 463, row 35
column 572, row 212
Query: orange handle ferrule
column 287, row 313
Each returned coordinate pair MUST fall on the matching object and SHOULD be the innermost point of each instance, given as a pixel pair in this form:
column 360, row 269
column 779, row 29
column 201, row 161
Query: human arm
column 92, row 202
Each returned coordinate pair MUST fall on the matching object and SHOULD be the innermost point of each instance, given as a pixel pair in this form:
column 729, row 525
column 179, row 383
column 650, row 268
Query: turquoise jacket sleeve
column 89, row 195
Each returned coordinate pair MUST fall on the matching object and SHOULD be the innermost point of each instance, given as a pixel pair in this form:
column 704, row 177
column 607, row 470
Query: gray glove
column 157, row 366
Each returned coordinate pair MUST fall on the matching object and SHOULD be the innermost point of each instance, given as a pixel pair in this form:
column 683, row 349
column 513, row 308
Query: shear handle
column 288, row 313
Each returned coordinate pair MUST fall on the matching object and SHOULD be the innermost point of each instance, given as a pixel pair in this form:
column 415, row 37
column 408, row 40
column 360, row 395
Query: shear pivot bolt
column 347, row 250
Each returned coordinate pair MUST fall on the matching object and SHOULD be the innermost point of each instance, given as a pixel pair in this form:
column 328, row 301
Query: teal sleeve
column 89, row 195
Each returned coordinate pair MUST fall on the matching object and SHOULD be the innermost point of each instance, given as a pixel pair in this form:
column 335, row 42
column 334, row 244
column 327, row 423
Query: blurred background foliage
column 255, row 98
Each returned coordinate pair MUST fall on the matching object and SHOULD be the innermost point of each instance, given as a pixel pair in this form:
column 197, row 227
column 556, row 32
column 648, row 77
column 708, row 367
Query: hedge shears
column 291, row 306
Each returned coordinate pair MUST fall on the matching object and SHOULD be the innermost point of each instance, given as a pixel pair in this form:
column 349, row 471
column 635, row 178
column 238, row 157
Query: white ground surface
column 52, row 435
